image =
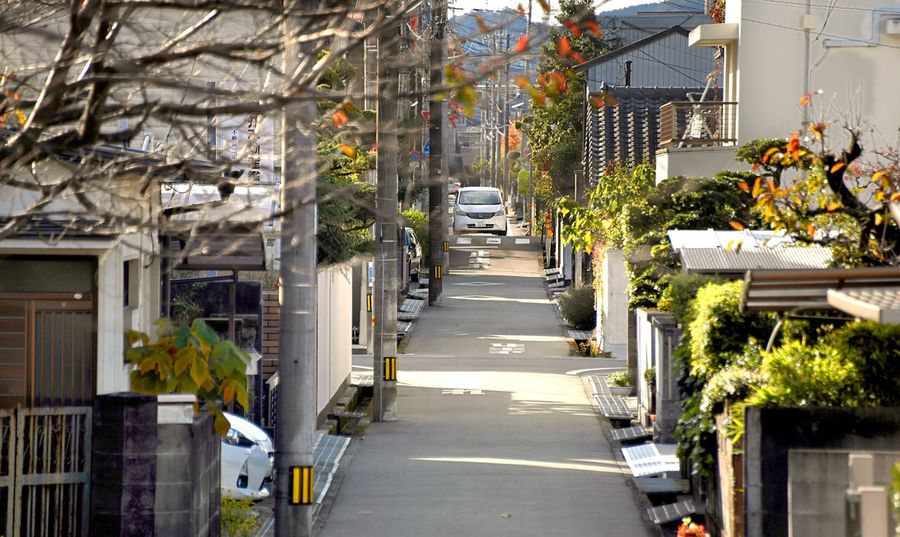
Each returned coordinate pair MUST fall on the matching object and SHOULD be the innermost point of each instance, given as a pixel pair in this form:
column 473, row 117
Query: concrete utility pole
column 387, row 248
column 506, row 185
column 437, row 183
column 296, row 423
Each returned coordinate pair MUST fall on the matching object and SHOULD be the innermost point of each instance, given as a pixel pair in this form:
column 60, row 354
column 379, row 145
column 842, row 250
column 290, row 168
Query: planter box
column 621, row 391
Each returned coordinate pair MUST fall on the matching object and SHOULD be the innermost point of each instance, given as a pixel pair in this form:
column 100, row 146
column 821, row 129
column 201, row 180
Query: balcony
column 697, row 124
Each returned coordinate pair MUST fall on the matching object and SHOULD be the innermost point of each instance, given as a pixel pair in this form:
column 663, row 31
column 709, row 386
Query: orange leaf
column 522, row 82
column 339, row 119
column 737, row 225
column 560, row 81
column 837, row 166
column 895, row 196
column 771, row 184
column 522, row 44
column 744, row 186
column 481, row 24
column 564, row 47
column 811, row 231
column 804, row 100
column 544, row 5
column 833, row 206
column 572, row 27
column 757, row 187
column 577, row 57
column 597, row 101
column 769, row 153
column 818, row 129
column 594, row 28
column 348, row 150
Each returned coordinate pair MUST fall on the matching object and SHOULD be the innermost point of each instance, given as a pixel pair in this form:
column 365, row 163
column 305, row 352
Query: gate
column 45, row 471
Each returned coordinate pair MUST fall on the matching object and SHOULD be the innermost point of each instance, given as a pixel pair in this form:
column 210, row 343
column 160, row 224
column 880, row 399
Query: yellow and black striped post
column 301, row 485
column 369, row 302
column 438, row 272
column 390, row 368
column 446, row 246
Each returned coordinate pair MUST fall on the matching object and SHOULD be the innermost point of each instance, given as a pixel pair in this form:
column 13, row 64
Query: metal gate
column 45, row 471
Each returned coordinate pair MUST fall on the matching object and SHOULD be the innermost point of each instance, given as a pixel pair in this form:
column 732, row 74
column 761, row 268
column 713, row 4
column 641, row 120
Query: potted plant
column 650, row 378
column 620, row 383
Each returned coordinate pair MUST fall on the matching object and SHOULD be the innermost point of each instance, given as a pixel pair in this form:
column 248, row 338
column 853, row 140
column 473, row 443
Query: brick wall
column 271, row 316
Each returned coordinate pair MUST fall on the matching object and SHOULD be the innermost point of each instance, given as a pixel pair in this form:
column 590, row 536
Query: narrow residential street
column 495, row 434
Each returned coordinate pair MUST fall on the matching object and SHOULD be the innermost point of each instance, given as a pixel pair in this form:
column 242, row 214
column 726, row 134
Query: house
column 640, row 76
column 773, row 54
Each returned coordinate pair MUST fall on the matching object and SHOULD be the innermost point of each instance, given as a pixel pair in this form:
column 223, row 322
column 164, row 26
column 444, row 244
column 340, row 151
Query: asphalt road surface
column 495, row 435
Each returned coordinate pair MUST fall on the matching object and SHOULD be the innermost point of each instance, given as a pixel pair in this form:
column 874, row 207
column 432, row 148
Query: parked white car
column 479, row 209
column 248, row 460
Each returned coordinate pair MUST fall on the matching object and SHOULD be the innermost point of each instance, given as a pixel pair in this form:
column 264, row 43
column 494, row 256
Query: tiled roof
column 880, row 304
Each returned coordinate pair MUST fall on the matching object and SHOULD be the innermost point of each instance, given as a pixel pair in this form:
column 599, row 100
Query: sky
column 601, row 5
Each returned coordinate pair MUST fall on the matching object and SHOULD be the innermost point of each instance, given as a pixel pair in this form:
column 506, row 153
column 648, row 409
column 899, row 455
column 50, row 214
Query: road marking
column 580, row 371
column 493, row 240
column 507, row 348
column 463, row 240
column 523, row 241
column 457, row 391
column 477, row 284
column 368, row 367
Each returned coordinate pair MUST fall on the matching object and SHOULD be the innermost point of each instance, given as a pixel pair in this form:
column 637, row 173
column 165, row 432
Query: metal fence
column 693, row 124
column 45, row 471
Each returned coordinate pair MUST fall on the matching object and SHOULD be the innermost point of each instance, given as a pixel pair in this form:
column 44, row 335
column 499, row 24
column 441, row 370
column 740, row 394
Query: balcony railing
column 693, row 124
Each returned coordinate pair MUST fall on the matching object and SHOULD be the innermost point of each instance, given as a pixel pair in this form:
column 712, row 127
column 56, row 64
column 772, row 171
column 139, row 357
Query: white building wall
column 856, row 70
column 612, row 308
column 334, row 331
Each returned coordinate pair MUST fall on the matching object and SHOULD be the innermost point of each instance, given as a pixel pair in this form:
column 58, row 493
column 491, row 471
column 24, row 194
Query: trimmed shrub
column 238, row 518
column 577, row 307
column 418, row 221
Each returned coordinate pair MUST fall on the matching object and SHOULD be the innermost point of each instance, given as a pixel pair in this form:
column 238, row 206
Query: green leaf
column 134, row 336
column 243, row 398
column 182, row 333
column 199, row 370
column 203, row 332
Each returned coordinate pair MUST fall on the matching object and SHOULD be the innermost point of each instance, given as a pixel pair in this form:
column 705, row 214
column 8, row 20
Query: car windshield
column 479, row 197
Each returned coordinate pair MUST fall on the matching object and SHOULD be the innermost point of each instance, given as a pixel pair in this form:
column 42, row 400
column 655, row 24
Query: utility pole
column 296, row 423
column 506, row 184
column 437, row 183
column 387, row 248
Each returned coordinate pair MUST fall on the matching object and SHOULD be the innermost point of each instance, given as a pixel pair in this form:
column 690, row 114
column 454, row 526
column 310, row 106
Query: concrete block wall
column 771, row 433
column 123, row 465
column 188, row 478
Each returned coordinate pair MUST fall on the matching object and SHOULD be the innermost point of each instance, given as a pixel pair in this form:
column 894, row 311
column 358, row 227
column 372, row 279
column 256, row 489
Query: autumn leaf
column 348, row 150
column 833, row 206
column 522, row 44
column 220, row 423
column 523, row 82
column 793, row 145
column 878, row 175
column 771, row 184
column 811, row 231
column 544, row 5
column 572, row 27
column 339, row 119
column 481, row 24
column 744, row 186
column 804, row 100
column 229, row 387
column 597, row 101
column 768, row 155
column 594, row 28
column 737, row 225
column 818, row 129
column 878, row 219
column 577, row 57
column 838, row 166
column 565, row 47
column 559, row 81
column 895, row 196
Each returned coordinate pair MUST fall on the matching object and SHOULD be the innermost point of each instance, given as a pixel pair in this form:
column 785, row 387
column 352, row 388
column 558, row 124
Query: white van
column 479, row 208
